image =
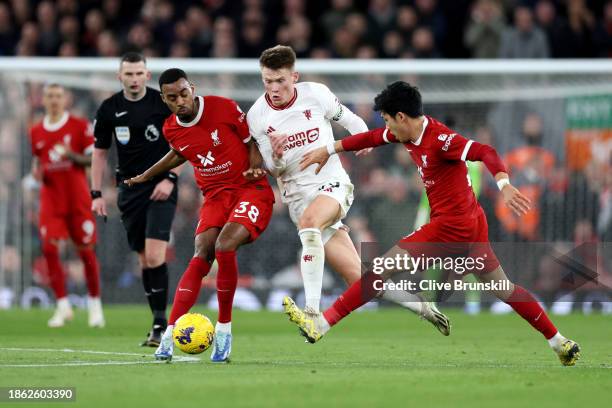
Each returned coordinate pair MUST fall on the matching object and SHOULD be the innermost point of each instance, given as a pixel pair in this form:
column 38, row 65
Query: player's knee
column 153, row 259
column 308, row 221
column 226, row 244
column 204, row 252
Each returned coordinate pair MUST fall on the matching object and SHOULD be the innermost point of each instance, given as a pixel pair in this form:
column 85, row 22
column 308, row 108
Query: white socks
column 63, row 304
column 556, row 341
column 223, row 327
column 404, row 299
column 311, row 265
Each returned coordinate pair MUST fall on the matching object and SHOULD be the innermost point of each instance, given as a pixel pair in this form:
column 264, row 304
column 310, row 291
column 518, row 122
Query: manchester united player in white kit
column 287, row 121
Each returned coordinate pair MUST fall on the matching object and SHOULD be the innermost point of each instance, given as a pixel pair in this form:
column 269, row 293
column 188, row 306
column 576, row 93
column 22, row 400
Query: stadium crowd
column 315, row 29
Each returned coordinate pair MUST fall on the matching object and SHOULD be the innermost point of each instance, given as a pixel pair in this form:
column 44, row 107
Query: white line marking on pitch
column 178, row 359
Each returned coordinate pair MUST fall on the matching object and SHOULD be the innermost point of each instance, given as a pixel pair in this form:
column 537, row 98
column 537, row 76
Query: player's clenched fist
column 515, row 200
column 319, row 156
column 278, row 142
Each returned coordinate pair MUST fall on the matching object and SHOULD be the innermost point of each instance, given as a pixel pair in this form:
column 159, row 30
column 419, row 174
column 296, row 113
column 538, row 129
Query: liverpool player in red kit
column 62, row 146
column 211, row 132
column 458, row 224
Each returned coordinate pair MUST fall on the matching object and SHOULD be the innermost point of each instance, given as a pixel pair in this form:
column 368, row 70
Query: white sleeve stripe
column 385, row 136
column 466, row 149
column 247, row 140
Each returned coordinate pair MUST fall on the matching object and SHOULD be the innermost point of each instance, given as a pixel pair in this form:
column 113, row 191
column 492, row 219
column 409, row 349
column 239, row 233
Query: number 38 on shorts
column 250, row 209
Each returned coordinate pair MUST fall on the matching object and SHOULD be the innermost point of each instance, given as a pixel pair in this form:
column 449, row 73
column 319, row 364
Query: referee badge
column 123, row 134
column 151, row 133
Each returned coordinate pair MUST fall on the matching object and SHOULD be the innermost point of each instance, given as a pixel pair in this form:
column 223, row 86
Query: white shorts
column 339, row 191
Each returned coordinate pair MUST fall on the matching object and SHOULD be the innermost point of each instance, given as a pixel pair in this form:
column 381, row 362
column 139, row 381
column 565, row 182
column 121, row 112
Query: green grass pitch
column 386, row 358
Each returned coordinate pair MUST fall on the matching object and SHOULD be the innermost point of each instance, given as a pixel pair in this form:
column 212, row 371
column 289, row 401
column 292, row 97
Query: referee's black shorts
column 144, row 218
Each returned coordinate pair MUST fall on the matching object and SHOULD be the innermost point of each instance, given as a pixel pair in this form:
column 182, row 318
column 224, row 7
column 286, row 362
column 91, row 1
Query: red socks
column 227, row 280
column 56, row 271
column 529, row 309
column 188, row 288
column 357, row 295
column 92, row 271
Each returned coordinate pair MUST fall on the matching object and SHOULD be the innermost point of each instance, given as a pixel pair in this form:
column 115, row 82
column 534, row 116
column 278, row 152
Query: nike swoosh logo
column 240, row 216
column 120, row 114
column 183, row 148
column 185, row 290
column 536, row 319
column 157, row 290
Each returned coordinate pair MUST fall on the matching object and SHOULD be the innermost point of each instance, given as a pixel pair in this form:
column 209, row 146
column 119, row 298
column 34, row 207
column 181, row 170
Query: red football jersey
column 440, row 155
column 64, row 188
column 215, row 144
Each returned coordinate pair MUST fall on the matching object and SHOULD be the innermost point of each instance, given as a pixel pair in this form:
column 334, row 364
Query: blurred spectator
column 603, row 33
column 335, row 17
column 579, row 41
column 423, row 44
column 484, row 31
column 198, row 30
column 524, row 39
column 8, row 35
column 252, row 40
column 68, row 50
column 381, row 14
column 393, row 45
column 531, row 167
column 49, row 36
column 69, row 29
column 430, row 16
column 224, row 43
column 107, row 45
column 94, row 25
column 164, row 27
column 28, row 44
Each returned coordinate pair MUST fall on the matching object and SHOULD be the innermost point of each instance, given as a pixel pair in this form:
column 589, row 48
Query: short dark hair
column 397, row 97
column 171, row 75
column 278, row 57
column 132, row 56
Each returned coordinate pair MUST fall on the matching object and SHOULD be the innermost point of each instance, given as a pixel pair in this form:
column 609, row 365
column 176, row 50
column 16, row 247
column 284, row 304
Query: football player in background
column 62, row 145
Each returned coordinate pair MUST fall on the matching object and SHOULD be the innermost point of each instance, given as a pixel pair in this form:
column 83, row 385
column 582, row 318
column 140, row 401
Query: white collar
column 425, row 123
column 198, row 116
column 54, row 127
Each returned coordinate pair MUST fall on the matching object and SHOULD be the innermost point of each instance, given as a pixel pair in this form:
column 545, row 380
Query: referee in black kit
column 133, row 118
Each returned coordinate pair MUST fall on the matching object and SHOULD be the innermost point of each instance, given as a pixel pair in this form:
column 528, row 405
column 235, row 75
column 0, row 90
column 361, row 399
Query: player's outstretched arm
column 171, row 160
column 513, row 198
column 359, row 141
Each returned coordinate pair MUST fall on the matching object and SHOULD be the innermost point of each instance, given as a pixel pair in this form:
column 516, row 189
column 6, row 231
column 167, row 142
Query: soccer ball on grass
column 193, row 333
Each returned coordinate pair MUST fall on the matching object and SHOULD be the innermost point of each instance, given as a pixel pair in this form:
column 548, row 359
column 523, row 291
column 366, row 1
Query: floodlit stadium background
column 355, row 47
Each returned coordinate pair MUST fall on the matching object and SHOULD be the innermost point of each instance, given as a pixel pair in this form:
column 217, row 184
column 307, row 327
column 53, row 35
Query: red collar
column 287, row 105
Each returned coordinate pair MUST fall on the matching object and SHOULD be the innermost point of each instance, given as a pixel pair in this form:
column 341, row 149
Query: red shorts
column 453, row 237
column 249, row 207
column 80, row 226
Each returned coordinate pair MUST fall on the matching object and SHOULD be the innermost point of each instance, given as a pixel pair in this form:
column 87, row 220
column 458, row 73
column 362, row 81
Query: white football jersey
column 306, row 121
